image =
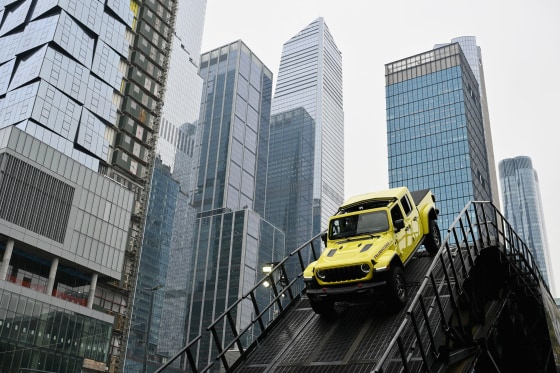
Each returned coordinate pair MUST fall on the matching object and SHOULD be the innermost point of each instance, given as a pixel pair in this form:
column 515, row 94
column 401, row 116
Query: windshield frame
column 358, row 224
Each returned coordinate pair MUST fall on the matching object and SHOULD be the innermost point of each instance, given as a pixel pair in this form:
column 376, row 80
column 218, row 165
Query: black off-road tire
column 323, row 307
column 432, row 241
column 396, row 289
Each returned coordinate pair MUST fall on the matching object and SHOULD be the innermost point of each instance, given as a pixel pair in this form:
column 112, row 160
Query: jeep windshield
column 359, row 224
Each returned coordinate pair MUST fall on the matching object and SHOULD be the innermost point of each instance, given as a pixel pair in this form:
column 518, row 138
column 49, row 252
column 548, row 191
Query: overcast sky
column 520, row 43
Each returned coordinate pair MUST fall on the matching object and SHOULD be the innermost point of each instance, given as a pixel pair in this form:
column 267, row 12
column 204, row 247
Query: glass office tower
column 435, row 129
column 81, row 85
column 232, row 240
column 289, row 190
column 166, row 250
column 153, row 269
column 310, row 76
column 473, row 55
column 522, row 201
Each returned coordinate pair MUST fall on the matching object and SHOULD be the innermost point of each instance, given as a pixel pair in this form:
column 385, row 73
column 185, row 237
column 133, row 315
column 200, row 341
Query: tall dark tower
column 231, row 241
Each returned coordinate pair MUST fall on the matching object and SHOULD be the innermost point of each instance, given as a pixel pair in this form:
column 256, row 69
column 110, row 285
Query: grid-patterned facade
column 435, row 130
column 310, row 76
column 81, row 85
column 64, row 229
column 289, row 188
column 473, row 54
column 25, row 188
column 232, row 240
column 523, row 208
column 153, row 269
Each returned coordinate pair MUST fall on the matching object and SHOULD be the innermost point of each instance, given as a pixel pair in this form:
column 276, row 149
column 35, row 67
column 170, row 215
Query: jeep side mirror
column 398, row 224
column 324, row 238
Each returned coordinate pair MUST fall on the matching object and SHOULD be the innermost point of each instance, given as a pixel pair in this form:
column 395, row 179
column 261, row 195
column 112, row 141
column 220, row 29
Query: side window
column 406, row 205
column 396, row 213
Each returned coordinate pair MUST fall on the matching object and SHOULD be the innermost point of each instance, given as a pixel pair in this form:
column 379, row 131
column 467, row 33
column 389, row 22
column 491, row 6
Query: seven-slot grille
column 352, row 272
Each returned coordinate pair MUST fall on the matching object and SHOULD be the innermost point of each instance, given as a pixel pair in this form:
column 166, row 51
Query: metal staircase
column 481, row 281
column 478, row 307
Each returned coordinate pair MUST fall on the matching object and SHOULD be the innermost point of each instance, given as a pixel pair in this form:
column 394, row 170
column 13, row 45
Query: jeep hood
column 352, row 251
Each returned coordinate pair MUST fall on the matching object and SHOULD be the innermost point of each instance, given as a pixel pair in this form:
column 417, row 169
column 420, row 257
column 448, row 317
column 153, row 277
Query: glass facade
column 235, row 119
column 231, row 240
column 166, row 249
column 231, row 249
column 473, row 54
column 81, row 84
column 289, row 189
column 310, row 76
column 523, row 208
column 63, row 230
column 153, row 270
column 435, row 131
column 41, row 336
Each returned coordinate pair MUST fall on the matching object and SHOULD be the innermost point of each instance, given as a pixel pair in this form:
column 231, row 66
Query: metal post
column 6, row 260
column 52, row 276
column 268, row 269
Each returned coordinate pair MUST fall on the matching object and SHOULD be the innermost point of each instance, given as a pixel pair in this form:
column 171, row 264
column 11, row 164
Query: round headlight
column 321, row 274
column 365, row 268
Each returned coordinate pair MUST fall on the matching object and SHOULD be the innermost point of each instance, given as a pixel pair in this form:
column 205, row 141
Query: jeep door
column 400, row 234
column 411, row 223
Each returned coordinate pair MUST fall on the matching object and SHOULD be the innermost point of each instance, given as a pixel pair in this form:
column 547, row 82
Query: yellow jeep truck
column 368, row 243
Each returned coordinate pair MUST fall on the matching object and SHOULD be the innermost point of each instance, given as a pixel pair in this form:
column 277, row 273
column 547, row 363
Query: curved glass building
column 522, row 201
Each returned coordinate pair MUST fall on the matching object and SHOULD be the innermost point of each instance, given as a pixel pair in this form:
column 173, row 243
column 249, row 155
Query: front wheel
column 432, row 242
column 323, row 307
column 396, row 288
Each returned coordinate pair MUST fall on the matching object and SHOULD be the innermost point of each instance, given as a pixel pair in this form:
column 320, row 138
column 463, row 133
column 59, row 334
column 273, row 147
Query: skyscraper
column 474, row 57
column 435, row 129
column 289, row 189
column 522, row 201
column 79, row 116
column 310, row 76
column 153, row 269
column 166, row 250
column 232, row 240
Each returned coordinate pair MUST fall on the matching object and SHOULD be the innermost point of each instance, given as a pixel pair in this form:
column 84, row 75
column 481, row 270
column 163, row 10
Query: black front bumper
column 353, row 292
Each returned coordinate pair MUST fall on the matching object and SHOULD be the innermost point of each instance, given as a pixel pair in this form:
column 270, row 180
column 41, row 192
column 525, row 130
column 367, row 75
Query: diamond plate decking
column 350, row 342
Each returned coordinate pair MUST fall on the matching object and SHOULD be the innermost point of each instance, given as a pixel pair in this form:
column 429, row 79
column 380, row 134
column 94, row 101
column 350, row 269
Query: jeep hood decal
column 362, row 251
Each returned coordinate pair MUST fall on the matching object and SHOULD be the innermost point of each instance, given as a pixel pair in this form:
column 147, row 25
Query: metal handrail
column 479, row 225
column 283, row 298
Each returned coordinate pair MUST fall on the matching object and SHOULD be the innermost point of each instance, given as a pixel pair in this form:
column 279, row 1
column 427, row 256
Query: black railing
column 415, row 345
column 285, row 289
column 480, row 225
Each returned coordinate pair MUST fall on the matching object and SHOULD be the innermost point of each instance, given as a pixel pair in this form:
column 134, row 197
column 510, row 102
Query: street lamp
column 267, row 269
column 149, row 326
